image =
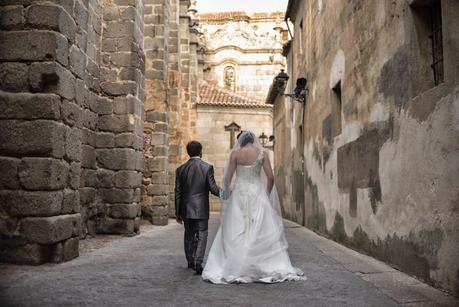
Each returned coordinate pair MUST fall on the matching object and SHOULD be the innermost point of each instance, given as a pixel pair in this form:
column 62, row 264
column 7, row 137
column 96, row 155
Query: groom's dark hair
column 194, row 148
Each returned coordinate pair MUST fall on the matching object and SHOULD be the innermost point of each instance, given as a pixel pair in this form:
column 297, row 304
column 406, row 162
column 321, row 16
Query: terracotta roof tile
column 212, row 94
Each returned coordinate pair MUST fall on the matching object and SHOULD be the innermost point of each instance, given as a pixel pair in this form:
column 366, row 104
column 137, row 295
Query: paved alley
column 150, row 270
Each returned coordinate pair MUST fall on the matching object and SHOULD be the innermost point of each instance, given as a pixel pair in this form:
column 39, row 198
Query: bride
column 250, row 245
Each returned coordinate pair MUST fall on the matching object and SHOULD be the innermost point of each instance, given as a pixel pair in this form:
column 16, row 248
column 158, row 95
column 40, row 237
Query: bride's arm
column 227, row 176
column 269, row 172
column 230, row 171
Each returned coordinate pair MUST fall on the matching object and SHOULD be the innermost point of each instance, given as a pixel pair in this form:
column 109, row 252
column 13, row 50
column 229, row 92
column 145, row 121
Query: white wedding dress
column 250, row 245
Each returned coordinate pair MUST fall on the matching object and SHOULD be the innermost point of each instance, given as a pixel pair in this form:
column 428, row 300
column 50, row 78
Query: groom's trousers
column 195, row 239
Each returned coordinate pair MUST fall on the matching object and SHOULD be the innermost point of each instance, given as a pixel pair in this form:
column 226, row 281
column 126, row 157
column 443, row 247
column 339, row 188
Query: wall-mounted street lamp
column 300, row 92
column 280, row 81
column 263, row 139
column 278, row 87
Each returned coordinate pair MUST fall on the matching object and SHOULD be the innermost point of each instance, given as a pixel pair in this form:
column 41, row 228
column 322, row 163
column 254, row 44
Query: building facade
column 242, row 52
column 371, row 158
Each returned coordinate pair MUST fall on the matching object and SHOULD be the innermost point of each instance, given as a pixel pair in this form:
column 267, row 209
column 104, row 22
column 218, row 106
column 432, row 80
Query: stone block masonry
column 71, row 95
column 91, row 98
column 156, row 124
column 174, row 81
column 119, row 140
column 43, row 57
column 167, row 124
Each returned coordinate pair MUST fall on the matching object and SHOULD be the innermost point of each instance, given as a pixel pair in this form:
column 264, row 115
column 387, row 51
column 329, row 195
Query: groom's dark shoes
column 198, row 268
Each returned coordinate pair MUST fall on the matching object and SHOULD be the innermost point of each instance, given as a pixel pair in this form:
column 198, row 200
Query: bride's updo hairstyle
column 245, row 137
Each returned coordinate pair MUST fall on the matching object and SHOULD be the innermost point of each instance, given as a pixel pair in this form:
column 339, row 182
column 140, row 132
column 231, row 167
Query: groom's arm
column 178, row 194
column 214, row 188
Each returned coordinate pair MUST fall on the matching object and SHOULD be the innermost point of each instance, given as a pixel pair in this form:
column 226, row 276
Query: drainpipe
column 288, row 28
column 303, row 109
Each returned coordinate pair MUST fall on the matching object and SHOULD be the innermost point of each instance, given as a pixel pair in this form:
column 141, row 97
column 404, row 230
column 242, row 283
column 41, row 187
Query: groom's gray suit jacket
column 193, row 181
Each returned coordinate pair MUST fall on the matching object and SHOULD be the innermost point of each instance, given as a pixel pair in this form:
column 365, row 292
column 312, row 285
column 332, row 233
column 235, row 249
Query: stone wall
column 91, row 99
column 119, row 139
column 156, row 127
column 380, row 171
column 175, row 138
column 169, row 111
column 49, row 113
column 98, row 99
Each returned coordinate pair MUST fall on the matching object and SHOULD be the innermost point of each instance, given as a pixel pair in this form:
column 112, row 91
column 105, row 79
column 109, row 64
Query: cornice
column 222, row 17
column 246, row 63
column 242, row 50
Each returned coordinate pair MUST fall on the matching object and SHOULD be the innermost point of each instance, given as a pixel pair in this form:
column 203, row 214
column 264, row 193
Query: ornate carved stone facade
column 243, row 52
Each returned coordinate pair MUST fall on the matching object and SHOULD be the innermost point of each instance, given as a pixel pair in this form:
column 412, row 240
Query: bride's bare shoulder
column 265, row 154
column 234, row 154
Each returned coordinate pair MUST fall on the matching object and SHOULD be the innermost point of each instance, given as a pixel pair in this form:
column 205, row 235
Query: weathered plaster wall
column 210, row 131
column 385, row 180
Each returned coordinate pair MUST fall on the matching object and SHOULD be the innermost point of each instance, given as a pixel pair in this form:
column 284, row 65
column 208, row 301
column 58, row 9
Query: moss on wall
column 415, row 253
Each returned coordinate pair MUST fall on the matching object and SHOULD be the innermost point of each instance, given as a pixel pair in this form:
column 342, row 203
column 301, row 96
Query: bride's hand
column 224, row 195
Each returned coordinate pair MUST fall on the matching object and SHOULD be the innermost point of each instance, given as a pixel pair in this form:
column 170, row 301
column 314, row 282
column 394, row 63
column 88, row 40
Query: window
column 428, row 23
column 336, row 109
column 437, row 42
column 300, row 38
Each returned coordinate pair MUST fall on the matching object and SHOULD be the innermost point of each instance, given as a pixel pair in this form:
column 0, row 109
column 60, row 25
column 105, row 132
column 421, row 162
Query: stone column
column 194, row 45
column 156, row 138
column 174, row 81
column 119, row 139
column 42, row 57
column 89, row 96
column 185, row 98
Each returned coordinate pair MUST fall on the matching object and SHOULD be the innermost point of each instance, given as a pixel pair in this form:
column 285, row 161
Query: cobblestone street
column 149, row 270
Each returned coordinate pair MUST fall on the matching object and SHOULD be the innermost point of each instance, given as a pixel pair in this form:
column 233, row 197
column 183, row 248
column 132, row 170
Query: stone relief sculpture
column 245, row 37
column 229, row 76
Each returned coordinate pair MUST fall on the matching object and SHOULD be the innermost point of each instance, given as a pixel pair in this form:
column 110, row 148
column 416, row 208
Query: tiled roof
column 212, row 94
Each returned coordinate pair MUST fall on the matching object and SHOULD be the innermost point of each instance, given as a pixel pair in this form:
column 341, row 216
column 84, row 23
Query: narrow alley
column 150, row 270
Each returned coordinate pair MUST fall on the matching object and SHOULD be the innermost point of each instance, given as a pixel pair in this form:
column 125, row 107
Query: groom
column 193, row 181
